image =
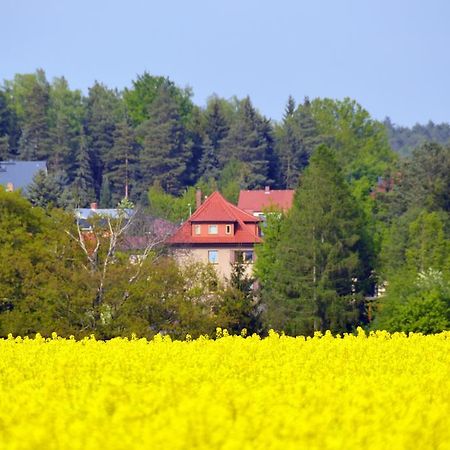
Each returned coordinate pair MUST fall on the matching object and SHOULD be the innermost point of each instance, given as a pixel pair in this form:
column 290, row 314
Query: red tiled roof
column 258, row 200
column 217, row 209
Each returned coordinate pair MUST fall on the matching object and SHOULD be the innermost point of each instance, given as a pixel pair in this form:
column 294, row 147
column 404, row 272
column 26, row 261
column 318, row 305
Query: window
column 244, row 256
column 197, row 229
column 213, row 256
column 212, row 229
column 227, row 229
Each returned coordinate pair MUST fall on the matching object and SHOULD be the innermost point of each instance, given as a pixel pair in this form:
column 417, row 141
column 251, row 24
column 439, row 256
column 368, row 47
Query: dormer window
column 213, row 229
column 228, row 229
column 197, row 229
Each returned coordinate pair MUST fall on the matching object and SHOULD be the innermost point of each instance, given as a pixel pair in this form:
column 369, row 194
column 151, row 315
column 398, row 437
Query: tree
column 320, row 271
column 9, row 132
column 31, row 100
column 49, row 191
column 83, row 183
column 146, row 89
column 120, row 162
column 296, row 139
column 250, row 141
column 104, row 110
column 66, row 114
column 164, row 154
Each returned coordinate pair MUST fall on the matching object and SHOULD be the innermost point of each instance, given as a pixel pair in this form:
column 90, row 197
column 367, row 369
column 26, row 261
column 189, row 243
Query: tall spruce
column 319, row 266
column 296, row 139
column 216, row 129
column 120, row 162
column 32, row 98
column 250, row 141
column 83, row 183
column 103, row 112
column 164, row 154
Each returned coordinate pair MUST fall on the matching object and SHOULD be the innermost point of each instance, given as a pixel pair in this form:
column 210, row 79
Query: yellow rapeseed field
column 376, row 391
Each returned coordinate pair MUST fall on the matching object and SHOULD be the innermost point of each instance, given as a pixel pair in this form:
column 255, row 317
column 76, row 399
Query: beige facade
column 224, row 257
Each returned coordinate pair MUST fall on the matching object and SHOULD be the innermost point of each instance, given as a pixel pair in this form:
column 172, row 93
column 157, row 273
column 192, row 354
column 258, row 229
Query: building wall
column 225, row 258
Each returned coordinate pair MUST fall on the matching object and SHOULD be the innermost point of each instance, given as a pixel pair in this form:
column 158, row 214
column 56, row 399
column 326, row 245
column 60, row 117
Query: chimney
column 198, row 198
column 267, row 190
column 94, row 205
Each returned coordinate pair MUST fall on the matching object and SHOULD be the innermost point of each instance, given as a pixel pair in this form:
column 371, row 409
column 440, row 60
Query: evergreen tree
column 83, row 183
column 319, row 266
column 49, row 191
column 297, row 137
column 104, row 110
column 66, row 114
column 105, row 194
column 120, row 162
column 9, row 131
column 164, row 154
column 250, row 141
column 216, row 130
column 33, row 92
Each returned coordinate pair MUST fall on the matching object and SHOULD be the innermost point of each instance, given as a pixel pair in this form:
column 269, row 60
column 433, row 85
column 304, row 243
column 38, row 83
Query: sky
column 392, row 56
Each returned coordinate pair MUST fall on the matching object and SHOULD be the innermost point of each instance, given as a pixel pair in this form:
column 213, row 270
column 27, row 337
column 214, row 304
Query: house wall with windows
column 218, row 233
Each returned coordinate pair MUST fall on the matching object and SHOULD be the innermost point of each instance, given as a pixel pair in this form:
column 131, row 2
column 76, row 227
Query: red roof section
column 216, row 209
column 258, row 200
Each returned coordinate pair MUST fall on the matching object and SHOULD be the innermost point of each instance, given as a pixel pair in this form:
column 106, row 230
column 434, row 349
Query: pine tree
column 103, row 112
column 216, row 129
column 49, row 191
column 105, row 194
column 250, row 141
column 297, row 138
column 164, row 154
column 319, row 261
column 34, row 143
column 83, row 183
column 120, row 162
column 66, row 114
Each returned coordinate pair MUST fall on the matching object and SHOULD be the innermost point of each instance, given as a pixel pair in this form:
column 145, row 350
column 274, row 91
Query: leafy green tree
column 146, row 88
column 164, row 154
column 320, row 271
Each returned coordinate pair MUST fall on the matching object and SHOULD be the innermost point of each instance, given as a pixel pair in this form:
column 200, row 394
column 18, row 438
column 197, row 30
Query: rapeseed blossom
column 376, row 391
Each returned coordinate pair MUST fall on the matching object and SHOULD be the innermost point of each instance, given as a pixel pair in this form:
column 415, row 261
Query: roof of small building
column 20, row 173
column 258, row 200
column 216, row 209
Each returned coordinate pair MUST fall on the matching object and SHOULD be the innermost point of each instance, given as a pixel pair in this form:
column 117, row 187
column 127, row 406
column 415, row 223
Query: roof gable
column 217, row 209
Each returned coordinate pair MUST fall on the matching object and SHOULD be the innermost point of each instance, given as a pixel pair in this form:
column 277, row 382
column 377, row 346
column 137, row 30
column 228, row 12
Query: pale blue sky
column 393, row 56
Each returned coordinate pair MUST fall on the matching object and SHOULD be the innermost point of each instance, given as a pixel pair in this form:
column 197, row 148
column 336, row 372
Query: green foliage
column 146, row 88
column 48, row 191
column 164, row 154
column 318, row 271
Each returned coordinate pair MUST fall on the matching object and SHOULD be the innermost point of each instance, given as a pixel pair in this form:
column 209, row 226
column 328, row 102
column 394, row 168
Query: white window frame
column 216, row 259
column 197, row 229
column 228, row 229
column 213, row 227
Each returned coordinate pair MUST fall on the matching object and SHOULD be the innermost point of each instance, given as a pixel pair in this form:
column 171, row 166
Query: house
column 257, row 201
column 219, row 233
column 19, row 174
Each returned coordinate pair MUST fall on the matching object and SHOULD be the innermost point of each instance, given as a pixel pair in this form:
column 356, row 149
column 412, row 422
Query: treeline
column 152, row 134
column 404, row 139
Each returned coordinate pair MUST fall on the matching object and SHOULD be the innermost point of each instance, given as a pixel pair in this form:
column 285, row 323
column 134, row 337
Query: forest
column 370, row 215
